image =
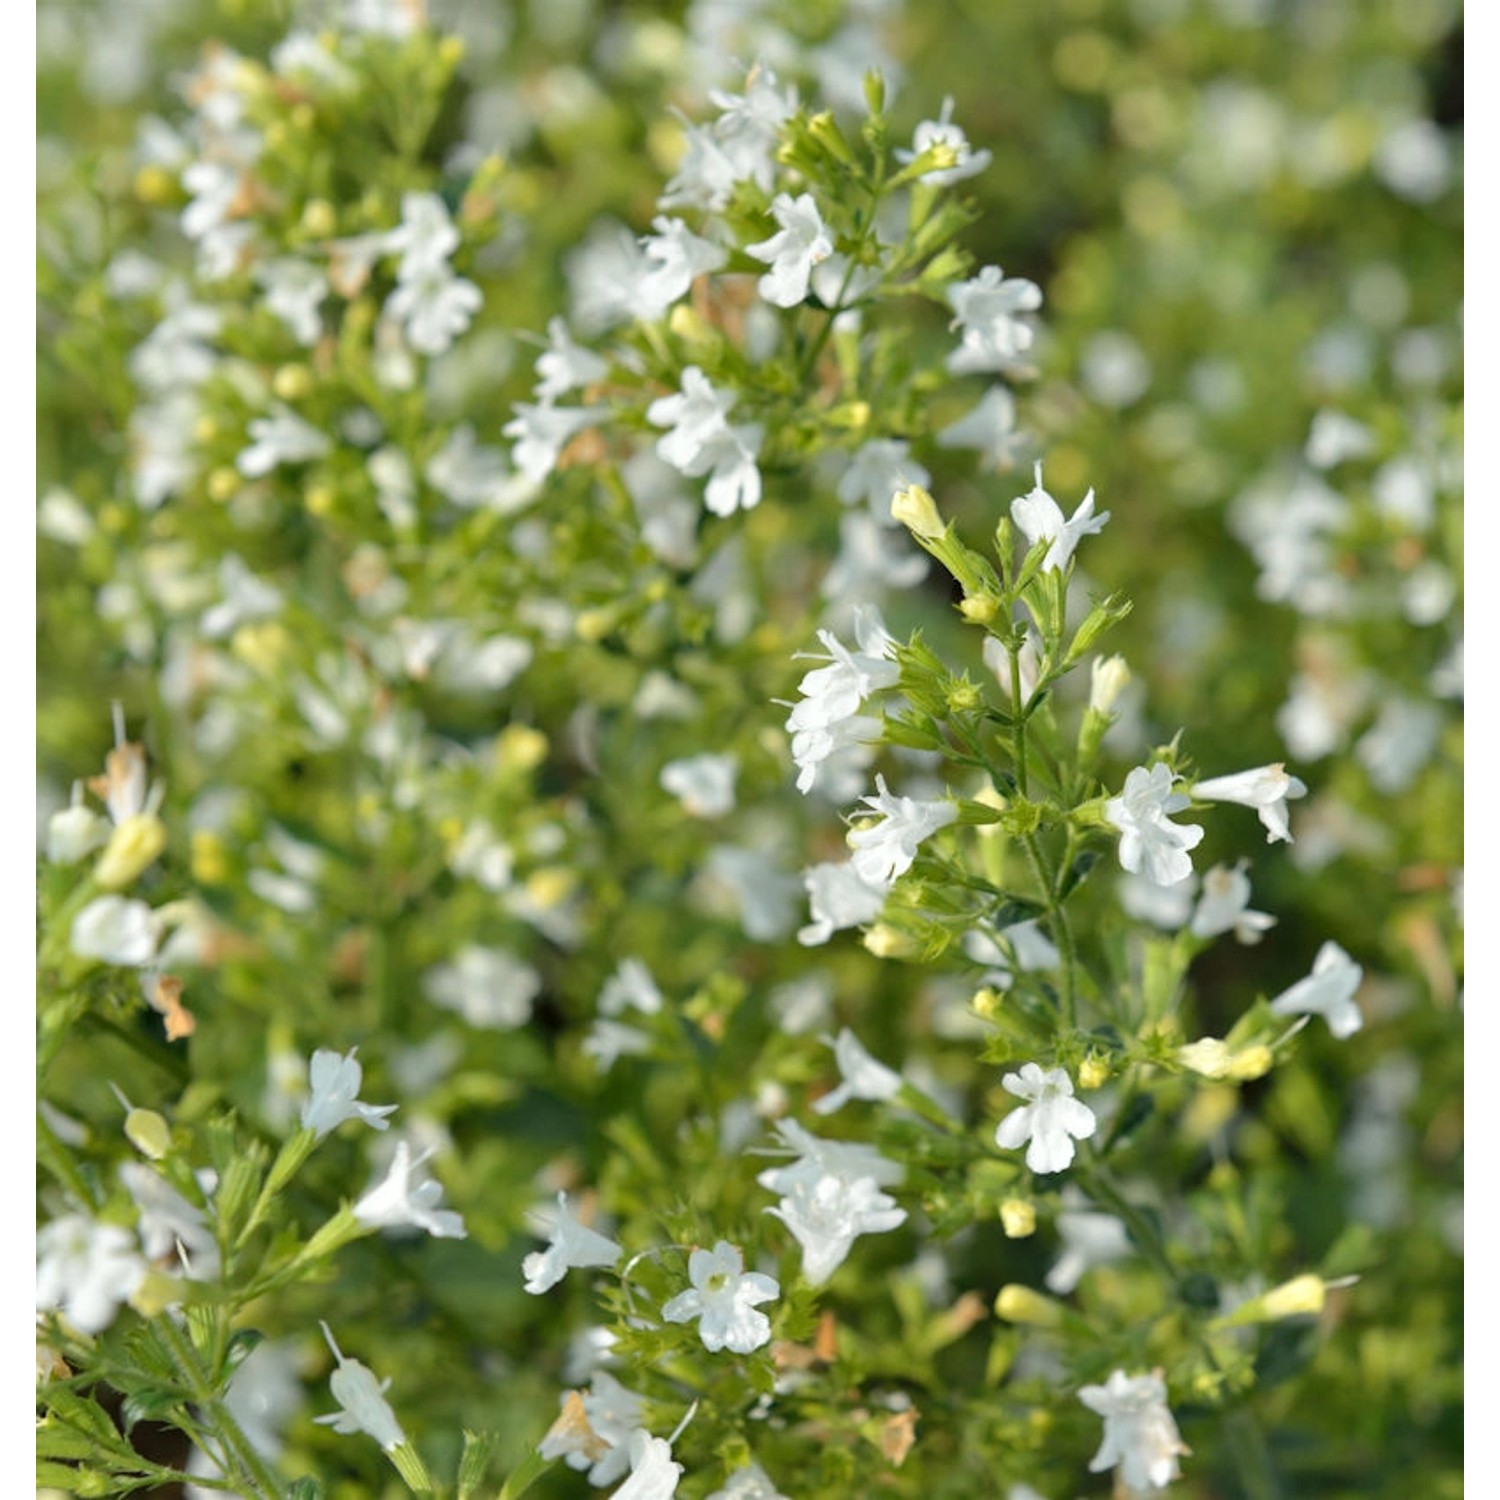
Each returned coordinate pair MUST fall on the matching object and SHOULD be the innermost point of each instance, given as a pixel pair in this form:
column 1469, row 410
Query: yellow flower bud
column 319, row 499
column 1018, row 1218
column 451, row 50
column 1019, row 1304
column 915, row 509
column 319, row 218
column 980, row 609
column 148, row 1133
column 594, row 624
column 292, row 382
column 155, row 185
column 1210, row 1057
column 519, row 747
column 889, row 942
column 986, row 1003
column 551, row 886
column 223, row 484
column 262, row 644
column 1300, row 1296
column 134, row 845
column 1253, row 1062
column 1093, row 1073
column 156, row 1293
column 209, row 863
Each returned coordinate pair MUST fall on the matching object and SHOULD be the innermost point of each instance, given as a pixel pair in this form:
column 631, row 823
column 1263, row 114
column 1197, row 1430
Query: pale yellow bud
column 1093, row 1073
column 1019, row 1304
column 156, row 1293
column 209, row 863
column 132, row 847
column 223, row 484
column 319, row 218
column 292, row 382
column 916, row 510
column 986, row 1003
column 1210, row 1057
column 519, row 747
column 889, row 942
column 148, row 1133
column 551, row 886
column 1253, row 1062
column 1299, row 1297
column 980, row 609
column 1018, row 1218
column 594, row 624
column 1109, row 679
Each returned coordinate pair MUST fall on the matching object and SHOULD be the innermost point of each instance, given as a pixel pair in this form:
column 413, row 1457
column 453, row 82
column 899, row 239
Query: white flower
column 630, row 985
column 837, row 898
column 703, row 784
column 593, row 1432
column 1051, row 1120
column 723, row 1297
column 674, row 258
column 294, row 289
column 608, row 1041
column 281, row 438
column 1266, row 789
column 1139, row 1433
column 74, row 831
column 880, row 468
column 729, row 460
column 653, row 1474
column 573, row 1246
column 1147, row 838
column 748, row 1483
column 425, row 237
column 488, row 987
column 1041, row 519
column 116, row 930
column 1224, row 906
column 1328, row 992
column 1089, row 1239
column 818, row 1158
column 171, row 1228
column 943, row 132
column 395, row 1203
column 85, row 1270
column 864, row 1077
column 802, row 242
column 827, row 1215
column 565, row 365
column 335, row 1082
column 473, row 475
column 365, row 1408
column 541, row 433
column 694, row 414
column 435, row 305
column 988, row 309
column 990, row 428
column 885, row 851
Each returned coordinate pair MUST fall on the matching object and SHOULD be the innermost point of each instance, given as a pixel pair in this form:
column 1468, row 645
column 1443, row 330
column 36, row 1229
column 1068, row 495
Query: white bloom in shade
column 565, row 365
column 541, row 433
column 1040, row 517
column 1140, row 1437
column 1328, row 992
column 573, row 1246
column 818, row 1158
column 488, row 987
column 703, row 784
column 749, row 1483
column 729, row 460
column 791, row 254
column 435, row 306
column 362, row 1398
column 723, row 1297
column 990, row 428
column 425, row 237
column 1051, row 1119
column 653, row 1474
column 1089, row 1239
column 608, row 1041
column 674, row 257
column 1224, row 906
column 943, row 132
column 396, row 1202
column 864, row 1077
column 593, row 1432
column 335, row 1082
column 473, row 475
column 988, row 309
column 1148, row 841
column 294, row 289
column 1335, row 438
column 172, row 1230
column 1266, row 789
column 74, row 831
column 116, row 930
column 826, row 1216
column 281, row 438
column 631, row 985
column 85, row 1270
column 885, row 851
column 696, row 413
column 880, row 468
column 838, row 898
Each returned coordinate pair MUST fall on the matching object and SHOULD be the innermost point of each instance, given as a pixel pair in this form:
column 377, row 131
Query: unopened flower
column 116, row 930
column 1149, row 842
column 1265, row 788
column 1140, row 1437
column 1109, row 677
column 723, row 1297
column 573, row 1246
column 792, row 253
column 1051, row 1119
column 1040, row 517
column 1328, row 991
column 885, row 850
column 396, row 1202
column 863, row 1076
column 362, row 1398
column 334, row 1081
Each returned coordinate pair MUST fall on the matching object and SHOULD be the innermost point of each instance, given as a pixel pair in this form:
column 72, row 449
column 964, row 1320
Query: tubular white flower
column 1140, row 1436
column 85, row 1270
column 1265, row 788
column 653, row 1474
column 838, row 897
column 1149, row 842
column 885, row 852
column 967, row 162
column 703, row 784
column 723, row 1297
column 335, row 1082
column 988, row 309
column 827, row 1215
column 1224, row 906
column 573, row 1246
column 116, row 930
column 396, row 1202
column 1328, row 991
column 864, row 1076
column 1050, row 1121
column 362, row 1398
column 791, row 254
column 1040, row 517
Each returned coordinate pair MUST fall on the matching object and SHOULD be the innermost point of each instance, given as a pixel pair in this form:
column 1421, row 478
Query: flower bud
column 1018, row 1218
column 319, row 219
column 1109, row 679
column 980, row 609
column 1253, row 1062
column 1210, row 1057
column 519, row 747
column 148, row 1133
column 889, row 942
column 1019, row 1304
column 133, row 846
column 1298, row 1297
column 986, row 1003
column 915, row 509
column 1093, row 1073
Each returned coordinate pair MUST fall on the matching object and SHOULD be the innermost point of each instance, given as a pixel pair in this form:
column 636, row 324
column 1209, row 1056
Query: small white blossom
column 116, row 930
column 818, row 1158
column 573, row 1246
column 1224, row 906
column 674, row 258
column 281, row 438
column 1147, row 838
column 362, row 1398
column 566, row 365
column 85, row 1270
column 943, row 132
column 631, row 985
column 838, row 898
column 425, row 237
column 876, row 471
column 885, row 851
column 1040, row 517
column 748, row 1483
column 792, row 253
column 436, row 307
column 172, row 1230
column 541, row 433
column 864, row 1077
column 74, row 831
column 1140, row 1436
column 608, row 1041
column 1089, row 1239
column 1050, row 1120
column 1328, row 991
column 395, row 1202
column 653, row 1474
column 989, row 429
column 827, row 1215
column 294, row 289
column 723, row 1297
column 488, row 987
column 335, row 1081
column 594, row 1429
column 988, row 309
column 1265, row 788
column 475, row 476
column 703, row 784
